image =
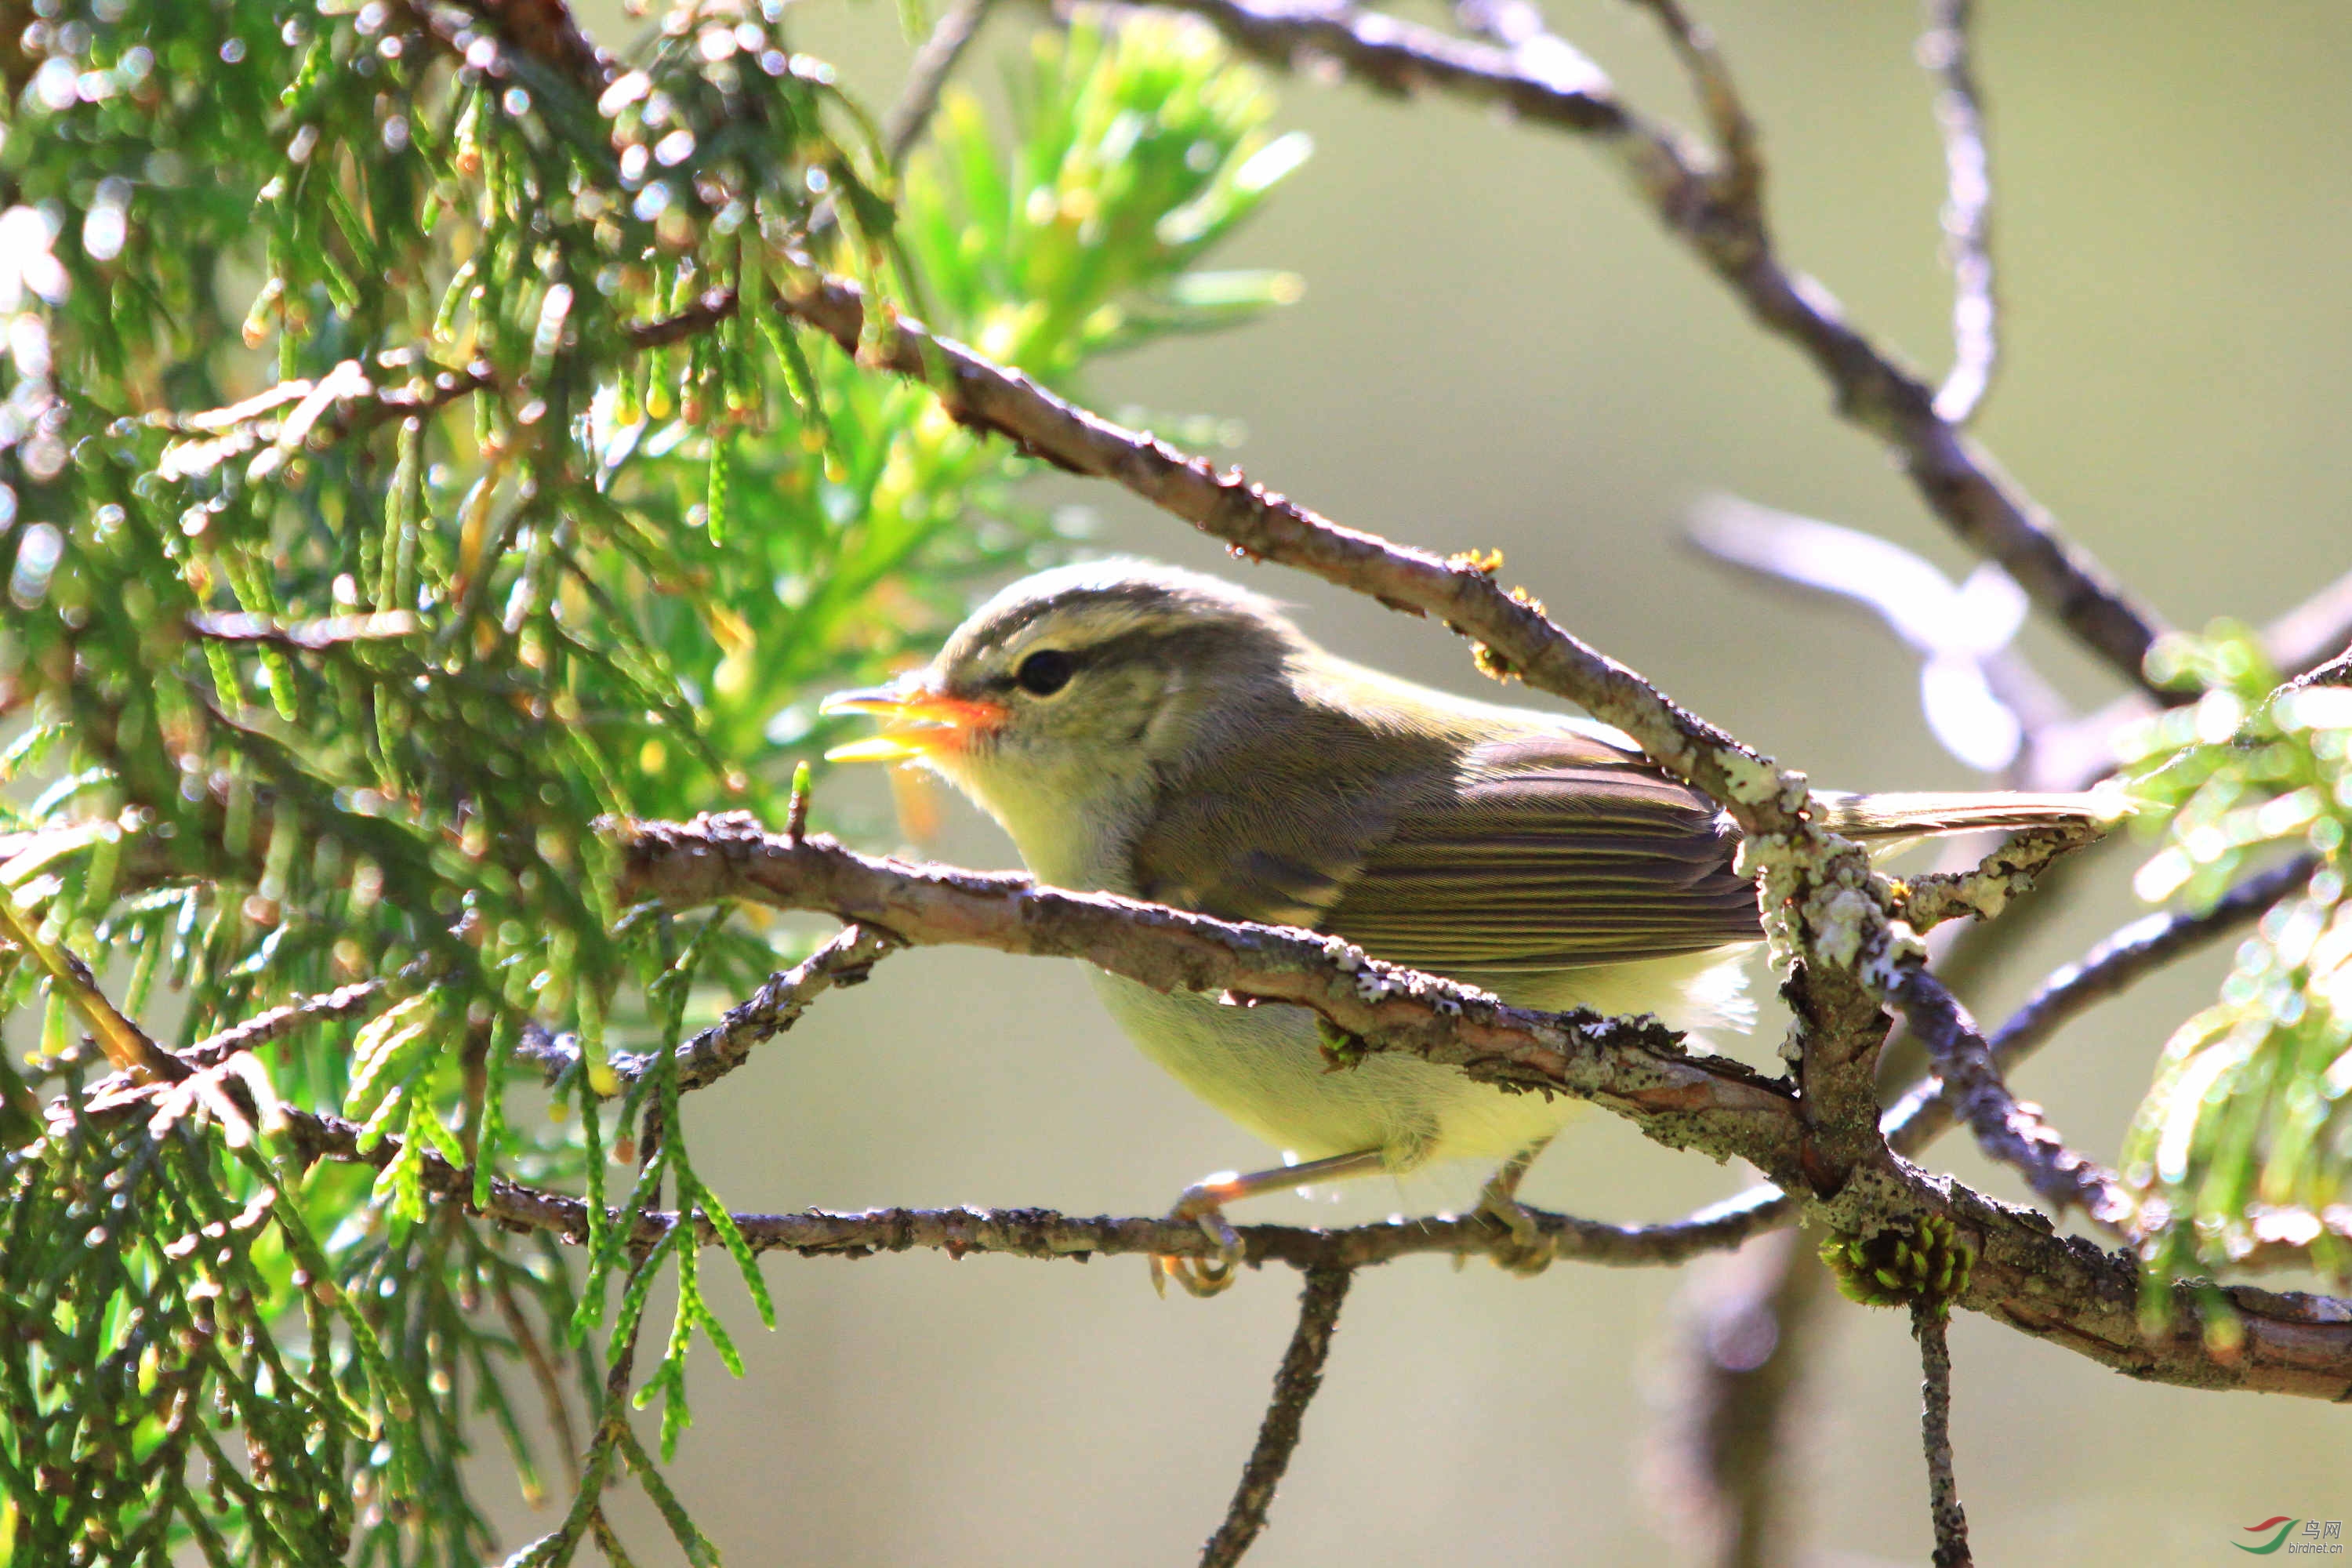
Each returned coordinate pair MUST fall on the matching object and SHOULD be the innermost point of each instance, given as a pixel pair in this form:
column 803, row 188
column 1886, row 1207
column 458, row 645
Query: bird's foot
column 1203, row 1205
column 1525, row 1249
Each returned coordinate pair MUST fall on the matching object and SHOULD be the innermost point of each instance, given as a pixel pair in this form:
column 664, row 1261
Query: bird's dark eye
column 1045, row 672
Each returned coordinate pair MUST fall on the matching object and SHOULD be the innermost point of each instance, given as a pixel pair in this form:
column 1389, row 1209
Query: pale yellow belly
column 1263, row 1067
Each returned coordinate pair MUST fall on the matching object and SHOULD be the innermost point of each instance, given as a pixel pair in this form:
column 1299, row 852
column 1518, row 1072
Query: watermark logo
column 2309, row 1537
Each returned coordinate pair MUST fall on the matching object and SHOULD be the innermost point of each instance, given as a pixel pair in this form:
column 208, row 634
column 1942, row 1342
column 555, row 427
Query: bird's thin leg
column 1529, row 1251
column 1204, row 1202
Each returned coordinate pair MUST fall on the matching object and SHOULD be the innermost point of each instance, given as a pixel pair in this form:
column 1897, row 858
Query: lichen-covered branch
column 2054, row 1287
column 1929, row 899
column 1637, row 1066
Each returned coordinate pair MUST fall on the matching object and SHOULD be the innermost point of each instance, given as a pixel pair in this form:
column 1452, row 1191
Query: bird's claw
column 1525, row 1249
column 1200, row 1276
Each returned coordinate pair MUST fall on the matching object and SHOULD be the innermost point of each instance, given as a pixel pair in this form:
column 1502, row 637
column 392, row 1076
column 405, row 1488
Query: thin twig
column 2008, row 1129
column 1929, row 1322
column 1944, row 48
column 1045, row 1234
column 2336, row 671
column 928, row 75
column 1293, row 1388
column 2008, row 872
column 1741, row 181
column 304, row 636
column 543, row 1370
column 278, row 1021
column 845, row 959
column 607, row 1542
column 2110, row 967
column 1959, row 482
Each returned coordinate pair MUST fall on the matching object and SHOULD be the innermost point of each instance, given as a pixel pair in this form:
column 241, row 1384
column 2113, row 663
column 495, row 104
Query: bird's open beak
column 916, row 722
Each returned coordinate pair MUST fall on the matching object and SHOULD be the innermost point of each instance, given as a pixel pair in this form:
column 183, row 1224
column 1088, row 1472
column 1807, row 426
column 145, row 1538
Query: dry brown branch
column 1045, row 1234
column 1510, row 626
column 1637, row 1066
column 1294, row 1386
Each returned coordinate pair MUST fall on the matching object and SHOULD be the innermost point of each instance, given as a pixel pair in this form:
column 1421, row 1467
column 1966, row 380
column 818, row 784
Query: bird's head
column 1058, row 703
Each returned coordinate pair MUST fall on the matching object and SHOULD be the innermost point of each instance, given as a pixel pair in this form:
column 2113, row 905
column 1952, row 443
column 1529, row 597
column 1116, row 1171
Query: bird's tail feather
column 1924, row 813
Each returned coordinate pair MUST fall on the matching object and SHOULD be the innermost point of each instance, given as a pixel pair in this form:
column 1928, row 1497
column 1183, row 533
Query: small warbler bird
column 1166, row 735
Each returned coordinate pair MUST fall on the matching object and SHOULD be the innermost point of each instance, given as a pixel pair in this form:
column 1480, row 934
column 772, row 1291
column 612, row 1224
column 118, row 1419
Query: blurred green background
column 1497, row 347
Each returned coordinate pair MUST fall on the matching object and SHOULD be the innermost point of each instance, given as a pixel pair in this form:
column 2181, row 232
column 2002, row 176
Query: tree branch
column 2054, row 1287
column 1045, row 1234
column 1510, row 626
column 1931, row 898
column 1295, row 1387
column 1637, row 1066
column 2107, row 969
column 928, row 75
column 1960, row 482
column 776, row 1006
column 2007, row 1129
column 2059, row 1288
column 1968, row 211
column 1929, row 1323
column 347, row 1002
column 1739, row 183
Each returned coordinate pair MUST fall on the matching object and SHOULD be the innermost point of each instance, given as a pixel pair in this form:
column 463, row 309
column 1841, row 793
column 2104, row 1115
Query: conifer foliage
column 386, row 503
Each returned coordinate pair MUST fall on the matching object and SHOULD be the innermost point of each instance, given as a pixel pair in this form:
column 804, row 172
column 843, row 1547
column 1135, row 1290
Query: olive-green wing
column 1553, row 849
column 1549, row 854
